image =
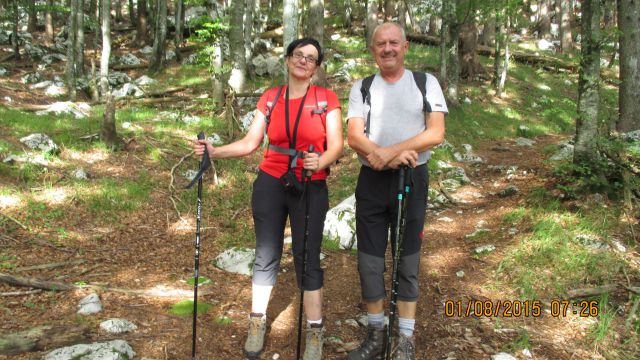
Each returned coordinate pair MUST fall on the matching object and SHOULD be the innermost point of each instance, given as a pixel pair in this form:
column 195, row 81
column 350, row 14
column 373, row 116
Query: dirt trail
column 138, row 253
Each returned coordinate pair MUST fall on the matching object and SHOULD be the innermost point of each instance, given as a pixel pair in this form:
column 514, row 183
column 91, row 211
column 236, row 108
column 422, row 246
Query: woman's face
column 302, row 62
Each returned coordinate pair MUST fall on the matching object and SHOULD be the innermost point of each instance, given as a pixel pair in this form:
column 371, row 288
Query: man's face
column 389, row 49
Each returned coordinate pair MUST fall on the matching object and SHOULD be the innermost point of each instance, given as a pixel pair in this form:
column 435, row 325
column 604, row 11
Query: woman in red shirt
column 294, row 117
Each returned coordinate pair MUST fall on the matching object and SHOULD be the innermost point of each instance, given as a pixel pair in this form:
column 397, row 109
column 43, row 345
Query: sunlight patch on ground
column 90, row 157
column 184, row 226
column 8, row 201
column 53, row 196
column 544, row 87
column 283, row 323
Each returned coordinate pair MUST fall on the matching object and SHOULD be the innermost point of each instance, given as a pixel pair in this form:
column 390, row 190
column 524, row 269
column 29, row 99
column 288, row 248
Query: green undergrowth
column 553, row 257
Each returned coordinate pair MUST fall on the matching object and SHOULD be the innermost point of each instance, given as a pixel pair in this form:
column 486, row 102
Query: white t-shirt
column 396, row 109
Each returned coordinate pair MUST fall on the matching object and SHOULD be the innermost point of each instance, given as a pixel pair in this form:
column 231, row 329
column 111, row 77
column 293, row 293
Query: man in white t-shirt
column 396, row 126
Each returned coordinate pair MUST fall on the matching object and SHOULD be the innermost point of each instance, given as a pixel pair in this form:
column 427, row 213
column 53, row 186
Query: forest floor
column 146, row 251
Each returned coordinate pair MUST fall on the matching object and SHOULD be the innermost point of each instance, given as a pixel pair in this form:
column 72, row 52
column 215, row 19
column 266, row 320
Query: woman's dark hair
column 304, row 42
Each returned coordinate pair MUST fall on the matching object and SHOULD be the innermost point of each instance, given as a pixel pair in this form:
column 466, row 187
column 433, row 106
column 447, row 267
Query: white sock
column 406, row 326
column 314, row 322
column 376, row 320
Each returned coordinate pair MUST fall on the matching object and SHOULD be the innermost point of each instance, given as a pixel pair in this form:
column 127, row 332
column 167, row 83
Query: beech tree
column 589, row 85
column 237, row 78
column 566, row 38
column 108, row 129
column 48, row 23
column 141, row 24
column 70, row 69
column 160, row 35
column 372, row 19
column 628, row 23
column 315, row 29
column 290, row 22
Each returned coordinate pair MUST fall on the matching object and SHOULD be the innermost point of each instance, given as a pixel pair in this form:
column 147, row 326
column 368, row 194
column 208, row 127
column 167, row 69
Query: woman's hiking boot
column 314, row 341
column 255, row 339
column 371, row 347
column 406, row 349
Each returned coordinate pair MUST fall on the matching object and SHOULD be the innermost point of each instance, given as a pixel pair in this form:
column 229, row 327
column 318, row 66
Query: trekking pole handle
column 309, row 173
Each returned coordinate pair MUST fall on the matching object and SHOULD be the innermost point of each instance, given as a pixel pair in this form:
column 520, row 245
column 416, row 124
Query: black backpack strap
column 366, row 99
column 267, row 117
column 321, row 101
column 293, row 154
column 420, row 79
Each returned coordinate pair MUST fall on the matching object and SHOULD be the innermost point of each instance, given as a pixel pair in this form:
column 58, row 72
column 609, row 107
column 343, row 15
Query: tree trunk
column 435, row 24
column 372, row 19
column 402, row 14
column 238, row 76
column 610, row 28
column 32, row 23
column 628, row 22
column 499, row 36
column 80, row 39
column 453, row 60
column 108, row 129
column 348, row 13
column 544, row 23
column 566, row 38
column 48, row 24
column 42, row 338
column 141, row 25
column 412, row 19
column 71, row 68
column 118, row 6
column 132, row 15
column 249, row 26
column 290, row 22
column 488, row 37
column 505, row 66
column 470, row 65
column 588, row 86
column 179, row 20
column 389, row 10
column 315, row 29
column 160, row 35
column 444, row 32
column 14, row 38
column 217, row 77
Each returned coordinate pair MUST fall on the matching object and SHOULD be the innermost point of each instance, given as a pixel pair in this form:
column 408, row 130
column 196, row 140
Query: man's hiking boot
column 406, row 349
column 314, row 341
column 371, row 347
column 255, row 339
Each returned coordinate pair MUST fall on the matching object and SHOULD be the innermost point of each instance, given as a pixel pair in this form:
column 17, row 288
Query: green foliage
column 579, row 179
column 111, row 196
column 546, row 262
column 223, row 320
column 521, row 342
column 6, row 261
column 603, row 328
column 515, row 216
column 201, row 281
column 185, row 308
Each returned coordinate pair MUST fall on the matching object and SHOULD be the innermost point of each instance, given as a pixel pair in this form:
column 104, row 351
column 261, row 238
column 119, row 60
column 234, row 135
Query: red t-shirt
column 311, row 129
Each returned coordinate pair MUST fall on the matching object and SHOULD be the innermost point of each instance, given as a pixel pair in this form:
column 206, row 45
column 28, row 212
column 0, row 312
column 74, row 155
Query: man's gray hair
column 387, row 24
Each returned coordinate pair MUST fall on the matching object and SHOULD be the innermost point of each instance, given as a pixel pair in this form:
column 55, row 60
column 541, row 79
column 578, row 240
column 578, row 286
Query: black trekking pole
column 204, row 164
column 307, row 201
column 404, row 186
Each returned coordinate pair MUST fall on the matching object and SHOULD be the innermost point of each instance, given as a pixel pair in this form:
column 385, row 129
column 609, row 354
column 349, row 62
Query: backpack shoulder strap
column 270, row 105
column 421, row 81
column 366, row 98
column 321, row 100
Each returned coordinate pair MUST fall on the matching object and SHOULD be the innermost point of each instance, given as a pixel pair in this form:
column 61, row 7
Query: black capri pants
column 376, row 213
column 272, row 204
